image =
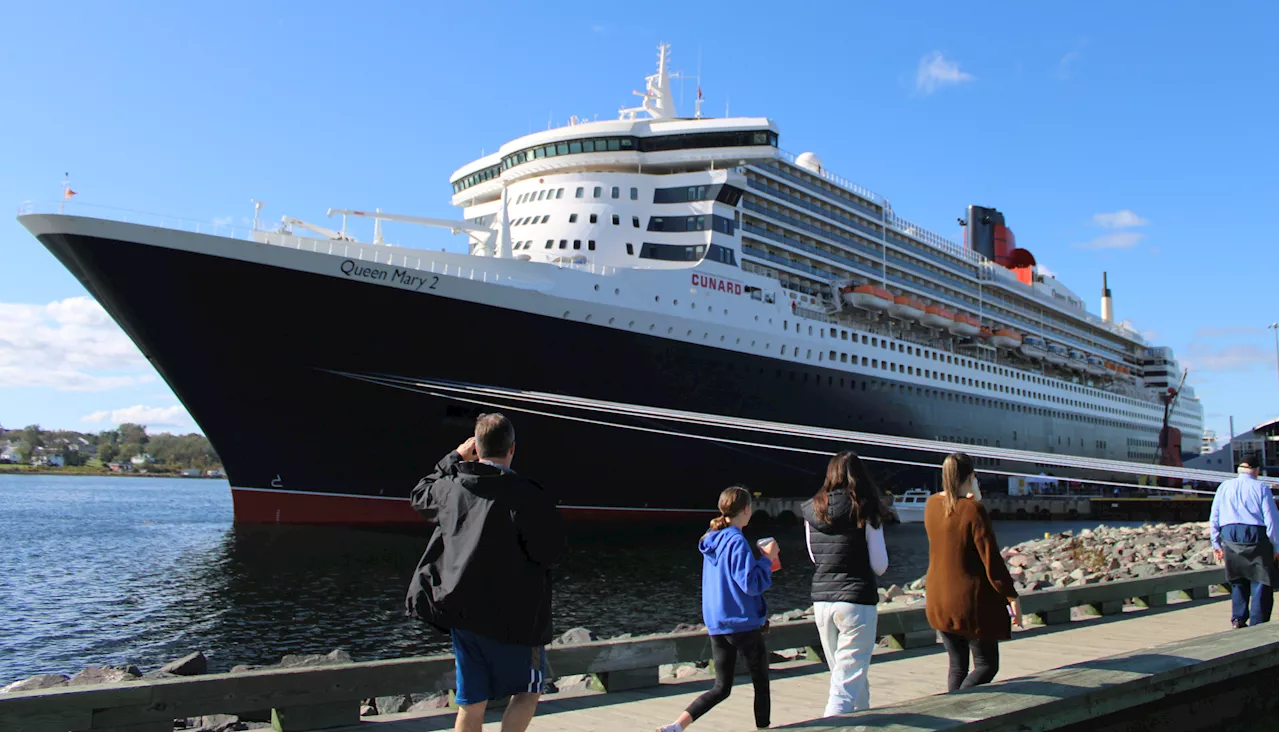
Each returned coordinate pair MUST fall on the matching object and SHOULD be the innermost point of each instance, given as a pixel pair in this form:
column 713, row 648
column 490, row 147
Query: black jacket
column 843, row 572
column 487, row 568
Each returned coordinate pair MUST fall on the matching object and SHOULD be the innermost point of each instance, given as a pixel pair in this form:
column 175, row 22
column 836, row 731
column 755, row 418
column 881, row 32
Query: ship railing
column 934, row 240
column 227, row 227
column 841, row 181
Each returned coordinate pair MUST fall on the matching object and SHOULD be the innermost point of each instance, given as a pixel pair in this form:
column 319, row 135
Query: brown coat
column 968, row 588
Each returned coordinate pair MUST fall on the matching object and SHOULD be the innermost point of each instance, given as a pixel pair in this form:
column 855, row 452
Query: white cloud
column 174, row 416
column 1046, row 271
column 1122, row 219
column 1240, row 357
column 68, row 345
column 1116, row 240
column 935, row 72
column 1065, row 63
column 1151, row 336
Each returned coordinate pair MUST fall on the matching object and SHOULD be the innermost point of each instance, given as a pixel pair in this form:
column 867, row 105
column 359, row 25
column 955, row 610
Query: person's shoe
column 549, row 687
column 673, row 727
column 1238, row 624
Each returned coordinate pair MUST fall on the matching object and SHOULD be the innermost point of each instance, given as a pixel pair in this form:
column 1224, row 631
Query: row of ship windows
column 620, row 144
column 663, row 252
column 573, row 219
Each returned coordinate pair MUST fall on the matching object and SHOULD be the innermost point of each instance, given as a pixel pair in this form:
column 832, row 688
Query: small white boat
column 1075, row 360
column 1094, row 366
column 1005, row 338
column 907, row 308
column 909, row 507
column 1032, row 347
column 1056, row 354
column 965, row 324
column 938, row 317
column 869, row 297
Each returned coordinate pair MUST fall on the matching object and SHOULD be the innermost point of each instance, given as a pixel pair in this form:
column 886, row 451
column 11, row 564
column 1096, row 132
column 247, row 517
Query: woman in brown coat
column 969, row 595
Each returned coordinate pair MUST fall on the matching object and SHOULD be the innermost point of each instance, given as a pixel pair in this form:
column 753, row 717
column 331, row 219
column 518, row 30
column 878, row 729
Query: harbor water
column 99, row 570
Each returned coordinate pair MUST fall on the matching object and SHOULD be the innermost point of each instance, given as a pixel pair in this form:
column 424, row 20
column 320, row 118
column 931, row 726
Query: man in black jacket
column 485, row 577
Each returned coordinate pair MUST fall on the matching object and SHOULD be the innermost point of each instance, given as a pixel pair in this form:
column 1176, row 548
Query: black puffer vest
column 843, row 572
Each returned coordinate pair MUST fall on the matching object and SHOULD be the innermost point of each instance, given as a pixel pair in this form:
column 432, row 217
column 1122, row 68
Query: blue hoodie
column 733, row 583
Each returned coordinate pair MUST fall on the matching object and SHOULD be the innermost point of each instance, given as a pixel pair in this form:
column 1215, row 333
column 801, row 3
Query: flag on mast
column 66, row 186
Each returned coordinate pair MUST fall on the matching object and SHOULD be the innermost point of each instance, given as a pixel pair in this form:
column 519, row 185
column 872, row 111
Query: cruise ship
column 659, row 260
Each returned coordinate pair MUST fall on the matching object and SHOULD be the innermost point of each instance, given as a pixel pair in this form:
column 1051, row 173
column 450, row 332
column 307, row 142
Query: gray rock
column 393, row 704
column 1019, row 560
column 315, row 659
column 427, row 702
column 367, row 709
column 1077, row 574
column 685, row 671
column 218, row 723
column 1144, row 570
column 105, row 675
column 35, row 683
column 918, row 584
column 893, row 592
column 243, row 667
column 574, row 635
column 192, row 664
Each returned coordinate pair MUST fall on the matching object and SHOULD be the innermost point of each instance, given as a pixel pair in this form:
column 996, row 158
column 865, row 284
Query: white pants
column 848, row 634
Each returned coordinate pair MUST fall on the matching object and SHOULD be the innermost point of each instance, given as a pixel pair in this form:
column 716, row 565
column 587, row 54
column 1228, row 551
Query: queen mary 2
column 680, row 263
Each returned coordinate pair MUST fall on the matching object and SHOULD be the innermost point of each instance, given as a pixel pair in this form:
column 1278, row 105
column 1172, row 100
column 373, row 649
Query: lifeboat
column 1093, row 366
column 938, row 317
column 907, row 308
column 1056, row 354
column 1033, row 347
column 965, row 325
column 984, row 333
column 869, row 297
column 1005, row 338
column 1075, row 360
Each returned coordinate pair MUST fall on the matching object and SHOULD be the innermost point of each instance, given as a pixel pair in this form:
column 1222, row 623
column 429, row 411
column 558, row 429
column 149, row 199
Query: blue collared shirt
column 1243, row 500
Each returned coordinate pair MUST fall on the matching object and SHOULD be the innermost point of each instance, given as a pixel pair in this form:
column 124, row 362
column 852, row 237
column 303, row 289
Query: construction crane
column 322, row 231
column 1169, row 444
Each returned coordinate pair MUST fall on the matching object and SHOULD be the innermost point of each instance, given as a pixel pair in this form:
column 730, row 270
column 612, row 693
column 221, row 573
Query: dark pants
column 1250, row 602
column 986, row 661
column 724, row 651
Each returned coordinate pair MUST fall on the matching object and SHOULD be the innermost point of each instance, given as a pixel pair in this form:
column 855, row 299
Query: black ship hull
column 261, row 357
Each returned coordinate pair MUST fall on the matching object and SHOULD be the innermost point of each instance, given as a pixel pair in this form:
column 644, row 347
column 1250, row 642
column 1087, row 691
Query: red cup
column 762, row 543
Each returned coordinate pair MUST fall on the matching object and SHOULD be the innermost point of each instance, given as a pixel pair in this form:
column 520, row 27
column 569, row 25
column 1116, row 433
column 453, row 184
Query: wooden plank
column 1077, row 693
column 315, row 716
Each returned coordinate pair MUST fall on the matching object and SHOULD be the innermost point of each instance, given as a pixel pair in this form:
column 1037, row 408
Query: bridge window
column 577, row 243
column 635, row 222
column 635, row 194
column 591, row 245
column 594, row 218
column 578, row 193
column 549, row 243
column 595, row 192
column 630, row 249
column 573, row 218
column 672, row 252
column 615, row 219
column 564, row 243
column 614, row 192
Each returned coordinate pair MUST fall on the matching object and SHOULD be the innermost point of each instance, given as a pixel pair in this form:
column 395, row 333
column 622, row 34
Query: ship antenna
column 257, row 206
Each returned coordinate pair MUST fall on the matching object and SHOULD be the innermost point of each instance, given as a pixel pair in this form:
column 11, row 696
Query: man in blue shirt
column 1243, row 529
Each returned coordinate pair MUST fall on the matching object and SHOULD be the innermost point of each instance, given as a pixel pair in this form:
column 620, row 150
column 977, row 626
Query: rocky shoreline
column 1091, row 556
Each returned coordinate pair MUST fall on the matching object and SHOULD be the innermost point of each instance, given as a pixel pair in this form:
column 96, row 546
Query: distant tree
column 108, row 452
column 32, row 436
column 130, row 433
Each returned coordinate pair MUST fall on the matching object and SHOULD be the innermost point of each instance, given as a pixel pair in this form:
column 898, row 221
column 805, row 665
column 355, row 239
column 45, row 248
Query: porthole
column 670, row 331
column 632, row 324
column 616, row 291
column 651, row 327
column 693, row 306
column 566, row 313
column 588, row 318
column 722, row 339
column 610, row 321
column 655, row 298
column 596, row 287
column 675, row 302
column 688, row 334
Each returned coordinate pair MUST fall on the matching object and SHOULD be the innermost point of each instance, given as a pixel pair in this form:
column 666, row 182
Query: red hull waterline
column 258, row 506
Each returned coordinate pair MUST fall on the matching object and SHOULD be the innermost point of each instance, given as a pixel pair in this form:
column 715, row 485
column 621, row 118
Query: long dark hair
column 846, row 472
column 956, row 470
column 733, row 500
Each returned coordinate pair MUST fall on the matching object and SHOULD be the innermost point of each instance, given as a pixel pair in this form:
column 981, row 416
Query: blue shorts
column 488, row 669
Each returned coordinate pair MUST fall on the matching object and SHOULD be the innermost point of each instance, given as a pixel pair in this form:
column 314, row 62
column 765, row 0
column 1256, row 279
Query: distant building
column 143, row 459
column 11, row 452
column 1260, row 442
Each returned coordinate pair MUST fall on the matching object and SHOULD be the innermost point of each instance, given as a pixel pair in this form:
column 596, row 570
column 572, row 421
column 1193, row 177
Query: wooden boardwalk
column 799, row 689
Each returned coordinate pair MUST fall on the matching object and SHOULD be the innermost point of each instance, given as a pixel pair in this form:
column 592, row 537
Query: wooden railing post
column 1160, row 599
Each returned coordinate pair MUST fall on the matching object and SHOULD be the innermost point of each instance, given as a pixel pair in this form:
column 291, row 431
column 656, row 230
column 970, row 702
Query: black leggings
column 724, row 650
column 986, row 661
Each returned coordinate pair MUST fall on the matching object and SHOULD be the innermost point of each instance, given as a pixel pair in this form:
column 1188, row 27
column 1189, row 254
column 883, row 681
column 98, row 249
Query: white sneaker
column 673, row 727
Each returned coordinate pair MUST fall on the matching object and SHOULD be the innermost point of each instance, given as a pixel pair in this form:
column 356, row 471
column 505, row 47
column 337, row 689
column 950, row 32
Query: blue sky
column 1135, row 138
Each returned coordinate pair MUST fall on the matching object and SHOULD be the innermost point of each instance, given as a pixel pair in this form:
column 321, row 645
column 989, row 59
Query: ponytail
column 733, row 500
column 956, row 471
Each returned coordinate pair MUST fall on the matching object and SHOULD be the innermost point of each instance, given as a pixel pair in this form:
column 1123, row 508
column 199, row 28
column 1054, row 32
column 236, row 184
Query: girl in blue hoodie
column 735, row 574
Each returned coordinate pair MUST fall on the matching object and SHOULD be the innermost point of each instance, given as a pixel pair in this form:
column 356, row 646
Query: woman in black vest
column 842, row 529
